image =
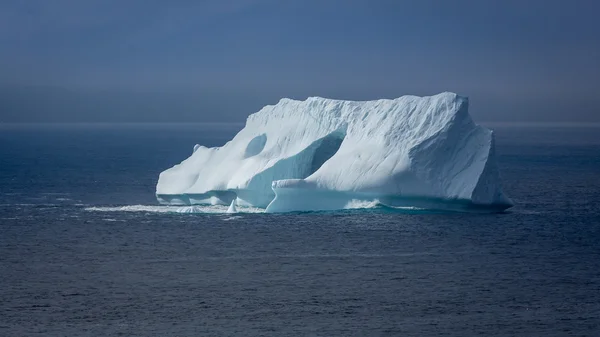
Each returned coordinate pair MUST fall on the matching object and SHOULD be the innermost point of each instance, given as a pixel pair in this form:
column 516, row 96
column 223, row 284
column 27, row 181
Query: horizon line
column 121, row 124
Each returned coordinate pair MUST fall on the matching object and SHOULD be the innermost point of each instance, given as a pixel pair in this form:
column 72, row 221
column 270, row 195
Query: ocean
column 85, row 250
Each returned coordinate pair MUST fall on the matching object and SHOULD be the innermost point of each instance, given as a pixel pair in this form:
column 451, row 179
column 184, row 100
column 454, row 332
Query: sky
column 219, row 60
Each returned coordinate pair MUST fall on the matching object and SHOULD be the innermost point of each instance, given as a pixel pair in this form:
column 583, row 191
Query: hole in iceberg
column 256, row 145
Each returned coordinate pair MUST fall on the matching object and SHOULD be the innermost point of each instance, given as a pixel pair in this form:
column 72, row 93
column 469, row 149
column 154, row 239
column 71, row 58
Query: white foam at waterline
column 366, row 204
column 216, row 209
column 408, row 208
column 220, row 209
column 359, row 204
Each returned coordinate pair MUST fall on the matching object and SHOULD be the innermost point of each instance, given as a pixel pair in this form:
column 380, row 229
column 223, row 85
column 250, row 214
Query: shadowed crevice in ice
column 326, row 149
column 257, row 191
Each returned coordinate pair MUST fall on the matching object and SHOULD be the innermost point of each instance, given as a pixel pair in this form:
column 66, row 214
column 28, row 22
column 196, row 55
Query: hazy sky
column 219, row 60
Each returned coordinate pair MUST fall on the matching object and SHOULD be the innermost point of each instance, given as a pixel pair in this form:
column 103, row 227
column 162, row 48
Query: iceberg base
column 311, row 200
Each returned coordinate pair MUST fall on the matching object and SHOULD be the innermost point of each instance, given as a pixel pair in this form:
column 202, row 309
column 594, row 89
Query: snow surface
column 324, row 154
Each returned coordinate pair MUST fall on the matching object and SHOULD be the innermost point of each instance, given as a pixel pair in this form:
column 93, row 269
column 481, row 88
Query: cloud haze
column 180, row 61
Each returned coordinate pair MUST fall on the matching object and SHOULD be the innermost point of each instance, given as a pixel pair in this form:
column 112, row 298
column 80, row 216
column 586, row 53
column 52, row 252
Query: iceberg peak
column 320, row 154
column 232, row 208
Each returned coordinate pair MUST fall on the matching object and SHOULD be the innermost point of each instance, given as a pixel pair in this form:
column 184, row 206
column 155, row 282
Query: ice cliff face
column 322, row 154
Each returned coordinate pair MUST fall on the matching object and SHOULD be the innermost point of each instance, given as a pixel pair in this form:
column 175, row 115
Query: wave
column 375, row 204
column 352, row 206
column 360, row 204
column 196, row 209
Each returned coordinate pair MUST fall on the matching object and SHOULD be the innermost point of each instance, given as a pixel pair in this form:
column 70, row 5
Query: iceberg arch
column 322, row 154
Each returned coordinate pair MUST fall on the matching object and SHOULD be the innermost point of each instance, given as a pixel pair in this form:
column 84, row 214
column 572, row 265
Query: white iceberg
column 232, row 208
column 323, row 154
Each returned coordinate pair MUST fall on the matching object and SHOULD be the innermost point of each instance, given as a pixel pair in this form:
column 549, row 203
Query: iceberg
column 325, row 154
column 232, row 208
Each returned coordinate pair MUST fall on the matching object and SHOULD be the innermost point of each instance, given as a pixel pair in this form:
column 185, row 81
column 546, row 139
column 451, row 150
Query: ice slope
column 322, row 154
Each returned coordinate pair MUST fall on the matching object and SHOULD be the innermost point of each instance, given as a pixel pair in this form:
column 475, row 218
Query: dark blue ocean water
column 73, row 263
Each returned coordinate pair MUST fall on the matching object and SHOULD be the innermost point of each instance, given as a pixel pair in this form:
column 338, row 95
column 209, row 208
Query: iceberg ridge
column 321, row 154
